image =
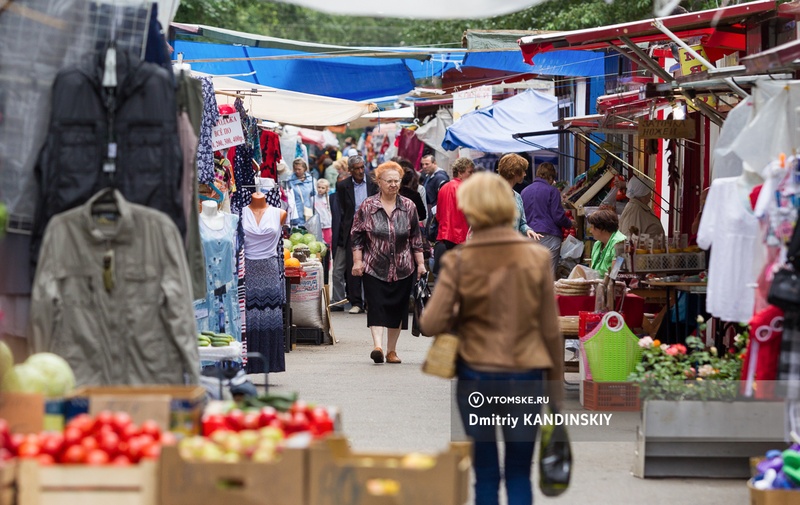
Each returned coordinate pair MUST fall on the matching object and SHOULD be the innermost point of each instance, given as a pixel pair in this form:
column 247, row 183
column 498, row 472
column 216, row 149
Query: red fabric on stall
column 632, row 310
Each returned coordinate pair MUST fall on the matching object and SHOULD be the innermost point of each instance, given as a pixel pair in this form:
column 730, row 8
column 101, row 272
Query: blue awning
column 352, row 77
column 566, row 63
column 490, row 129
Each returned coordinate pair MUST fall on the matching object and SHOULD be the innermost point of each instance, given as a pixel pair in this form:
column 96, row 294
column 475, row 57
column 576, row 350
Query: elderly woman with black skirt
column 387, row 252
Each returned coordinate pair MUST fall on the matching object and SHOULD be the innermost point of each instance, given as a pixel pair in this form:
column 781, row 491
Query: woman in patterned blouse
column 387, row 252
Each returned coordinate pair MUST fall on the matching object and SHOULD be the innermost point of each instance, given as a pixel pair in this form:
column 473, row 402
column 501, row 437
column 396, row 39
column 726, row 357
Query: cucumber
column 217, row 343
column 203, row 344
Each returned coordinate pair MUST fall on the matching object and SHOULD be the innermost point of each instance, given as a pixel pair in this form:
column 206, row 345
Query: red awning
column 692, row 24
column 777, row 57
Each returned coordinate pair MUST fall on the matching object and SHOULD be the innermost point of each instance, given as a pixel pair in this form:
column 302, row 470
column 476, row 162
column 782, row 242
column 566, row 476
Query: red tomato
column 5, row 433
column 45, row 460
column 121, row 421
column 97, row 458
column 14, row 441
column 168, row 438
column 28, row 450
column 266, row 416
column 299, row 422
column 136, row 447
column 121, row 460
column 299, row 406
column 151, row 451
column 128, row 432
column 83, row 422
column 235, row 420
column 90, row 444
column 74, row 455
column 104, row 418
column 109, row 442
column 212, row 423
column 150, row 428
column 33, row 438
column 72, row 436
column 251, row 421
column 52, row 445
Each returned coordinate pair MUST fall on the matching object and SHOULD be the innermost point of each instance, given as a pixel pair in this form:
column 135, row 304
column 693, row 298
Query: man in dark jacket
column 351, row 193
column 338, row 293
column 434, row 179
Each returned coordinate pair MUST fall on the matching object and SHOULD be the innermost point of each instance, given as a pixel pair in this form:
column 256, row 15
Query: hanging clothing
column 270, row 154
column 409, row 146
column 205, row 150
column 219, row 310
column 146, row 151
column 730, row 228
column 264, row 289
column 114, row 300
column 193, row 243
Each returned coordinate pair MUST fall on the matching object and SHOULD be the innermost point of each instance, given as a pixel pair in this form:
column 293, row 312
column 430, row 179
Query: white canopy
column 384, row 116
column 419, row 9
column 290, row 107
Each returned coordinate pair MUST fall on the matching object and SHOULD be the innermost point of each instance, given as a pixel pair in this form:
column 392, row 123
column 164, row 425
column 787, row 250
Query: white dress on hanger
column 730, row 228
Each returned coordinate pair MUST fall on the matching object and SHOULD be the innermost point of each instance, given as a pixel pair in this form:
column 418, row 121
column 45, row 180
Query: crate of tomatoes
column 98, row 459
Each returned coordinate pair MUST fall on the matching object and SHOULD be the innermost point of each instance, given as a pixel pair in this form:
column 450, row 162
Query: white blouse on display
column 261, row 238
column 731, row 230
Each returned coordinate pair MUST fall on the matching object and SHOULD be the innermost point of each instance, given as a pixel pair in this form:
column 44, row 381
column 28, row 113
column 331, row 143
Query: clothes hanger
column 216, row 190
column 106, row 203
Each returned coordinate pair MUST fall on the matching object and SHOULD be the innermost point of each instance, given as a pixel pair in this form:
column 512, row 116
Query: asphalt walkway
column 397, row 408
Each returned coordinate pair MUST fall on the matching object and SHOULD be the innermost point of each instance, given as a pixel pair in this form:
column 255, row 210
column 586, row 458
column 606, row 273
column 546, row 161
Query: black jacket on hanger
column 143, row 115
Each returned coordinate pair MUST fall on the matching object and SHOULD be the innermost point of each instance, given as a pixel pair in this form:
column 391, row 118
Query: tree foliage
column 289, row 21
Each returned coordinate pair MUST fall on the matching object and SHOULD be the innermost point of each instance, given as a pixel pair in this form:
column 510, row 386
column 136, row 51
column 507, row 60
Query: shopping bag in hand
column 555, row 460
column 422, row 293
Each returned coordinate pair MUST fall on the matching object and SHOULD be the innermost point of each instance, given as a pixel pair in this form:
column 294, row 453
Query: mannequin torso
column 211, row 215
column 258, row 205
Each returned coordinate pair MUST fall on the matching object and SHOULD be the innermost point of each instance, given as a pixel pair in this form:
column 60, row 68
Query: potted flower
column 693, row 424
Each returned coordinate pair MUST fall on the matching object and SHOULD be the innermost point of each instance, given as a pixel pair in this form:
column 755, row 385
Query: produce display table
column 632, row 308
column 229, row 352
column 696, row 288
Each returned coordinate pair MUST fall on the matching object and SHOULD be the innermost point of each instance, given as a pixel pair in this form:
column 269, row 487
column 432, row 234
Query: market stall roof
column 352, row 78
column 405, row 114
column 290, row 107
column 564, row 63
column 419, row 9
column 708, row 23
column 780, row 57
column 491, row 128
column 256, row 40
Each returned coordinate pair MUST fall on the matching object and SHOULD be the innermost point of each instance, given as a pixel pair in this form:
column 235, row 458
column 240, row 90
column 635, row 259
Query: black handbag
column 421, row 294
column 784, row 292
column 432, row 228
column 555, row 459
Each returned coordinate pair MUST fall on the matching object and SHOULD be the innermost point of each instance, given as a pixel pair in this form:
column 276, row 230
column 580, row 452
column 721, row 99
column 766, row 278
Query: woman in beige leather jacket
column 496, row 293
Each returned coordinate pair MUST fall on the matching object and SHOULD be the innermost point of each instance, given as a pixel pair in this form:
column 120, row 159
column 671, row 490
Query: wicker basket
column 568, row 325
column 613, row 352
column 441, row 358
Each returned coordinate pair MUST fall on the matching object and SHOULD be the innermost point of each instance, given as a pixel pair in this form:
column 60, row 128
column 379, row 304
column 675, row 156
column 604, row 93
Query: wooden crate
column 339, row 476
column 245, row 483
column 8, row 477
column 87, row 485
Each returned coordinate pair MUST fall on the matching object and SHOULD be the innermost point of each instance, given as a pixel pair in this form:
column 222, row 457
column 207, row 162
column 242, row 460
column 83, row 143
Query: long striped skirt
column 264, row 299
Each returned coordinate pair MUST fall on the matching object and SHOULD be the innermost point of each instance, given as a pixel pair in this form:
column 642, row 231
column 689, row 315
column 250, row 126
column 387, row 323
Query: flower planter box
column 712, row 439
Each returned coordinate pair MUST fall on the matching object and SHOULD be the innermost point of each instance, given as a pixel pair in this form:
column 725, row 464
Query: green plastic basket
column 613, row 351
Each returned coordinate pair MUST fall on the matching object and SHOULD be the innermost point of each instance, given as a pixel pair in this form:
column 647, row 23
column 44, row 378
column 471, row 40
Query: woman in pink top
column 387, row 252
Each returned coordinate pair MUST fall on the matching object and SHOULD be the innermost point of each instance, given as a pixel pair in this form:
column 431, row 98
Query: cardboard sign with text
column 666, row 129
column 228, row 132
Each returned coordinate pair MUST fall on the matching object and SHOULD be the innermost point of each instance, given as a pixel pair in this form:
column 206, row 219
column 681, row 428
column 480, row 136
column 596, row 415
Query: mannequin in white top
column 258, row 204
column 211, row 215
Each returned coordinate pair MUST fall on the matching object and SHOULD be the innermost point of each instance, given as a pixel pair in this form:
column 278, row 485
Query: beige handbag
column 443, row 354
column 441, row 358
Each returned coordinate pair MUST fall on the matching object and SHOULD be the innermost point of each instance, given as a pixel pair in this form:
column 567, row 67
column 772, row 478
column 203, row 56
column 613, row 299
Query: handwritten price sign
column 228, row 132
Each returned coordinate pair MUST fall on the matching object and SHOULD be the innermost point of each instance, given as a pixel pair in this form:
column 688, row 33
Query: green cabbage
column 54, row 371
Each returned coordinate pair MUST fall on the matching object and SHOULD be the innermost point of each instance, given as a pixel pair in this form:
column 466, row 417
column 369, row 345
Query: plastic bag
column 314, row 226
column 555, row 460
column 571, row 247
